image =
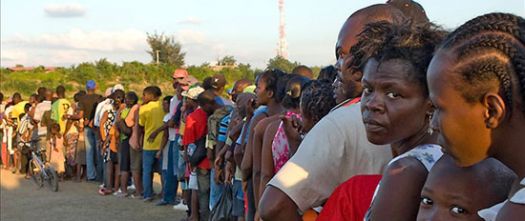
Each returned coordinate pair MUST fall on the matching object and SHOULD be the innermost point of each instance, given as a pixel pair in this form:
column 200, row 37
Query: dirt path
column 21, row 200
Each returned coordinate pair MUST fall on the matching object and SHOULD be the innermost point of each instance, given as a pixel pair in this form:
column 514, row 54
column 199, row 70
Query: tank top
column 280, row 146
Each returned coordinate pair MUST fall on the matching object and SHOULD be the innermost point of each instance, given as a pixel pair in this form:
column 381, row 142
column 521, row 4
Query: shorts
column 113, row 157
column 135, row 157
column 238, row 199
column 193, row 184
column 124, row 155
column 181, row 166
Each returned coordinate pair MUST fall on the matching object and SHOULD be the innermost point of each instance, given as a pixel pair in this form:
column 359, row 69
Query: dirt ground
column 21, row 200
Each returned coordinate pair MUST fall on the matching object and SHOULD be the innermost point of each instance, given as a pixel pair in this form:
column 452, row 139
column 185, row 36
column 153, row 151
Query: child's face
column 453, row 193
column 166, row 106
column 146, row 97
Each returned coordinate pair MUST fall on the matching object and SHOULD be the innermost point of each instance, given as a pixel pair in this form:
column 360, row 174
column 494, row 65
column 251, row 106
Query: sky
column 64, row 33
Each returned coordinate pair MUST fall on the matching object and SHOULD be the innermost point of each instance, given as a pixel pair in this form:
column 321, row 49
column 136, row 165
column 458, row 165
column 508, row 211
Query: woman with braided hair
column 477, row 85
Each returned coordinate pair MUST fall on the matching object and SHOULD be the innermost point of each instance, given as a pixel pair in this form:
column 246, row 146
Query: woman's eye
column 392, row 95
column 367, row 90
column 457, row 210
column 426, row 201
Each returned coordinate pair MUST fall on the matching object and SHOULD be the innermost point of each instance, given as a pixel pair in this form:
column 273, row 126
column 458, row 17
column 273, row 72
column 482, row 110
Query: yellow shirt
column 18, row 109
column 58, row 109
column 151, row 117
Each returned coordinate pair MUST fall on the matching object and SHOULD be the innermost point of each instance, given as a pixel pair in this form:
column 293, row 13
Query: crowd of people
column 411, row 123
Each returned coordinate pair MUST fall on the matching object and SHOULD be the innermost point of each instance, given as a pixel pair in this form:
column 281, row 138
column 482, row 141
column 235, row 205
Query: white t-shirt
column 174, row 102
column 335, row 150
column 102, row 107
column 39, row 113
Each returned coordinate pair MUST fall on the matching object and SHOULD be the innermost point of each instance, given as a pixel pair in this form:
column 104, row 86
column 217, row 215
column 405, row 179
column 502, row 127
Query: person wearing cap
column 218, row 84
column 86, row 106
column 195, row 131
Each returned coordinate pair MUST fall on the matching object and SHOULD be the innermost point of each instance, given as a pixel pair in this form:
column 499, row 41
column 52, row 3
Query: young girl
column 276, row 149
column 56, row 144
column 477, row 84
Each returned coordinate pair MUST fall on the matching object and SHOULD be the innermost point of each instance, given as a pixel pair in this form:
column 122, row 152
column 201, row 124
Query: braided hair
column 317, row 99
column 385, row 41
column 490, row 48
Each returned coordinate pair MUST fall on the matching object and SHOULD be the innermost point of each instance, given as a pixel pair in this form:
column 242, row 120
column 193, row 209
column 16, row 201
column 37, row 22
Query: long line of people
column 403, row 127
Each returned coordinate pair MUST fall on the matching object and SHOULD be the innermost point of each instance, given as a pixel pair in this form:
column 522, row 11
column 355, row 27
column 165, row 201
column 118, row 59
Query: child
column 455, row 193
column 169, row 184
column 22, row 151
column 56, row 144
column 150, row 118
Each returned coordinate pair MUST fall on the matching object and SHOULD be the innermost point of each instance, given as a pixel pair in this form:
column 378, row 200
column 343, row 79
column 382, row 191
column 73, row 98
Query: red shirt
column 195, row 129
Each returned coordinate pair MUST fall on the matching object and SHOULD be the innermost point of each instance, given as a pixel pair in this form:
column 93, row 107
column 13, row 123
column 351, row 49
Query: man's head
column 151, row 93
column 458, row 193
column 218, row 82
column 41, row 91
column 178, row 76
column 348, row 82
column 27, row 107
column 91, row 86
column 48, row 95
column 61, row 91
column 411, row 9
column 17, row 98
column 207, row 101
column 303, row 71
column 238, row 88
column 243, row 100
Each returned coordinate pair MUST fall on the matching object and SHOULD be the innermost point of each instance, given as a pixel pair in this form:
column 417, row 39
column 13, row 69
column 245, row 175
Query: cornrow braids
column 317, row 99
column 489, row 47
column 386, row 41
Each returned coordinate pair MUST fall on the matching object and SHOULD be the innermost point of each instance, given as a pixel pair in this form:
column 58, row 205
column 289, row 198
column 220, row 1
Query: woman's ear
column 495, row 109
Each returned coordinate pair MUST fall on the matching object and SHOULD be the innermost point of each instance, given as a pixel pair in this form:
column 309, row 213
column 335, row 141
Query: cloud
column 119, row 40
column 65, row 10
column 190, row 21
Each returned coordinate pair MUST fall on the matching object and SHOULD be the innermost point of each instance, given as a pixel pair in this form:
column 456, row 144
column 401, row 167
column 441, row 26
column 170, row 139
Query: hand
column 159, row 154
column 218, row 162
column 229, row 170
column 152, row 136
column 292, row 127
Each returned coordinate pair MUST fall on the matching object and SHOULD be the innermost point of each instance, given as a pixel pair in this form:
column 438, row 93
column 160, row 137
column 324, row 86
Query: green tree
column 167, row 49
column 227, row 61
column 282, row 63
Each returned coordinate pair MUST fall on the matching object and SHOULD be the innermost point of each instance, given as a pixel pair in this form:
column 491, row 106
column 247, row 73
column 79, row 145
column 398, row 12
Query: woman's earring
column 430, row 131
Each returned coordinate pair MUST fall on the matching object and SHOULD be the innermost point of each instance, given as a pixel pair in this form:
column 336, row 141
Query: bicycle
column 41, row 172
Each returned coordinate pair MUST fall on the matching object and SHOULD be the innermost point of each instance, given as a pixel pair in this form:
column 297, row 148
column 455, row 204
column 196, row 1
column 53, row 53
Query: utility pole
column 157, row 51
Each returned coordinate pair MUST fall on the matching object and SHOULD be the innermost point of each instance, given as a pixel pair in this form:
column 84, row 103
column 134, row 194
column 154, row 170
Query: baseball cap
column 250, row 89
column 117, row 87
column 411, row 10
column 188, row 81
column 90, row 85
column 108, row 91
column 180, row 73
column 193, row 92
column 218, row 81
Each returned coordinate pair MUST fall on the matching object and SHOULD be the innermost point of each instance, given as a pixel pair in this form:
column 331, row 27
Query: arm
column 267, row 166
column 103, row 135
column 276, row 205
column 163, row 143
column 395, row 203
column 156, row 132
column 257, row 147
column 246, row 165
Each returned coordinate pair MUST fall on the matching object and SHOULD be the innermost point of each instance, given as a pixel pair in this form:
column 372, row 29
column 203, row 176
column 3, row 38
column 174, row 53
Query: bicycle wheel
column 36, row 174
column 52, row 179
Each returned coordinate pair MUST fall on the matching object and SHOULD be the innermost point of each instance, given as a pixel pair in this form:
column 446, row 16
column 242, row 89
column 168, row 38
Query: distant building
column 22, row 68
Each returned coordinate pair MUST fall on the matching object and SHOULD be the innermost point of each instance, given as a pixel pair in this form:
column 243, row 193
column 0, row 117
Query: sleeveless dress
column 491, row 213
column 427, row 154
column 280, row 146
